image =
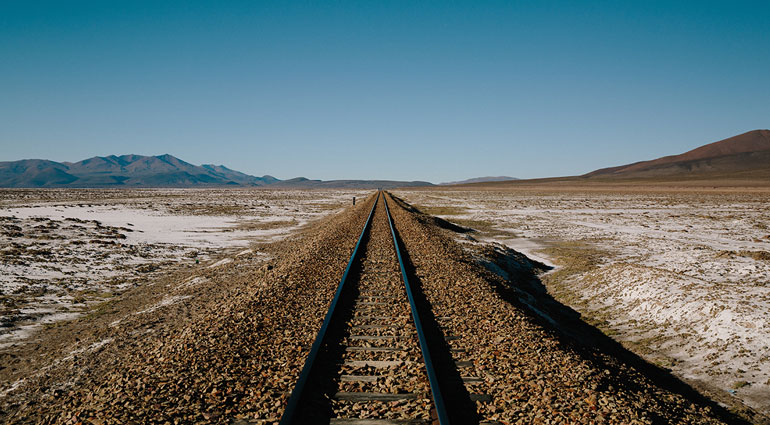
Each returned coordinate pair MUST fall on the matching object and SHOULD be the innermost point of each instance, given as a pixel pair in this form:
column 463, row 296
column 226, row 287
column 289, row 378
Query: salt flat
column 681, row 278
column 63, row 251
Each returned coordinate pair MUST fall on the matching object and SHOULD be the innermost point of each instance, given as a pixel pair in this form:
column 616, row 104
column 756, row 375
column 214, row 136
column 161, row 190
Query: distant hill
column 481, row 180
column 738, row 161
column 153, row 171
column 303, row 183
column 744, row 155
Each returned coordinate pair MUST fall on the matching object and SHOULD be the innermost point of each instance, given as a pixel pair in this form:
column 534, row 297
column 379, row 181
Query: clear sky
column 415, row 90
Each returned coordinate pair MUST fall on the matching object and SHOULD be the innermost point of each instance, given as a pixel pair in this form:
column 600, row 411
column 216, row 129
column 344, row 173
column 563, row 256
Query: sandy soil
column 680, row 277
column 63, row 251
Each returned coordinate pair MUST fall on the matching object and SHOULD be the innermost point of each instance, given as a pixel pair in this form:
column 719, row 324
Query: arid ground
column 200, row 305
column 679, row 276
column 63, row 251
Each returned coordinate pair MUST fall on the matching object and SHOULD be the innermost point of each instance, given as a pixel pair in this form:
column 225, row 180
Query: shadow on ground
column 459, row 403
column 521, row 286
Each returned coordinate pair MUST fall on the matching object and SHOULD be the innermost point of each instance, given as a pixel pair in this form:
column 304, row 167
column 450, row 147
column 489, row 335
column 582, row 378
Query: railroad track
column 381, row 356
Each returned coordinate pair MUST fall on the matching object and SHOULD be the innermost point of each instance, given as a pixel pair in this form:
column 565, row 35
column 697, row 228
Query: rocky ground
column 679, row 277
column 200, row 345
column 533, row 372
column 63, row 251
column 224, row 343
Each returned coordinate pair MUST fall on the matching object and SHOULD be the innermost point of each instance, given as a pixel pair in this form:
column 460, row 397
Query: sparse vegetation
column 740, row 384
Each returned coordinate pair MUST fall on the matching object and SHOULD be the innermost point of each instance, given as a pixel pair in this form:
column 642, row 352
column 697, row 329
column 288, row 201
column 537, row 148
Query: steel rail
column 298, row 393
column 438, row 399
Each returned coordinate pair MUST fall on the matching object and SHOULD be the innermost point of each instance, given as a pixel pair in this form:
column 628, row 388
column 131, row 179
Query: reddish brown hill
column 739, row 154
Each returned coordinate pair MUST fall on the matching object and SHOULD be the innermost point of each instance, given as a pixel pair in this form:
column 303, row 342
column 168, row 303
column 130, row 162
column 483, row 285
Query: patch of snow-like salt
column 530, row 247
column 91, row 347
column 221, row 262
column 17, row 334
column 68, row 249
column 166, row 301
column 703, row 238
column 719, row 326
column 193, row 281
column 149, row 226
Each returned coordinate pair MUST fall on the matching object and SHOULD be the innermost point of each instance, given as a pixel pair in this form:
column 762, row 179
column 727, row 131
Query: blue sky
column 395, row 90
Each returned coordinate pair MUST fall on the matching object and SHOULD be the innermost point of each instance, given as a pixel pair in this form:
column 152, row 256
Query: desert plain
column 677, row 276
column 65, row 251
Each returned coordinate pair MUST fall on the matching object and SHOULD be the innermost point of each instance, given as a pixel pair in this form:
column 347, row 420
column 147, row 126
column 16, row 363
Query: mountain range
column 744, row 157
column 155, row 171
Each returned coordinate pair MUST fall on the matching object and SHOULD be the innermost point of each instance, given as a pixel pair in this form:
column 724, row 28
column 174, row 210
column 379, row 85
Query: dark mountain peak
column 34, row 173
column 97, row 163
column 214, row 167
column 238, row 177
column 127, row 159
column 30, row 164
column 171, row 159
column 268, row 179
column 157, row 164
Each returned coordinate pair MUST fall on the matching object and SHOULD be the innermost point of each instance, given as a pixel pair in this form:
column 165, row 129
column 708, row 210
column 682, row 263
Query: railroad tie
column 375, row 349
column 370, row 396
column 375, row 337
column 377, row 364
column 358, row 378
column 367, row 317
column 345, row 421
